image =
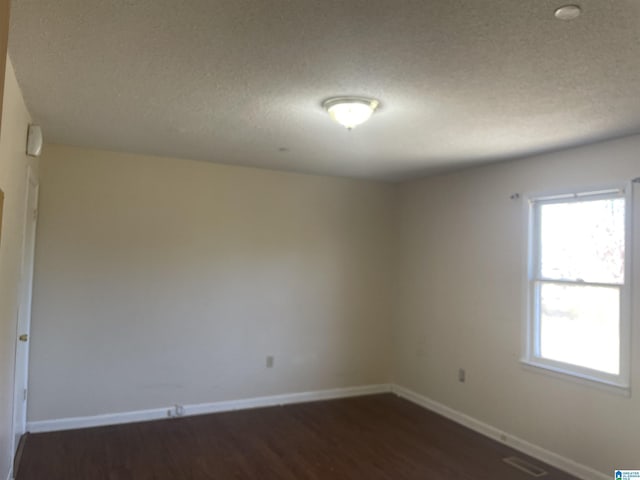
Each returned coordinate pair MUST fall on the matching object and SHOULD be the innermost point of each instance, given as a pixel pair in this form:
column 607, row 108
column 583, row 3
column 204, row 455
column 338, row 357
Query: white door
column 24, row 312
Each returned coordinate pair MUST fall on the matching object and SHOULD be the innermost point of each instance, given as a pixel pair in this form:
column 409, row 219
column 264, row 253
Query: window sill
column 574, row 377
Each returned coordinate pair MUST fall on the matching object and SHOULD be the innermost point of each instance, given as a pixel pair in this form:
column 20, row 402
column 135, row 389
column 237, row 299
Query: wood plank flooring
column 366, row 438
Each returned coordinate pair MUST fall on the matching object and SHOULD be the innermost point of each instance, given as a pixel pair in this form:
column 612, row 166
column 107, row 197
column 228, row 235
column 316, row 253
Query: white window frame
column 532, row 355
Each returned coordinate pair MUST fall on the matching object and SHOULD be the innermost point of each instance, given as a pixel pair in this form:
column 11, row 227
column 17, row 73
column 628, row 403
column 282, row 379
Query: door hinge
column 35, row 213
column 24, row 395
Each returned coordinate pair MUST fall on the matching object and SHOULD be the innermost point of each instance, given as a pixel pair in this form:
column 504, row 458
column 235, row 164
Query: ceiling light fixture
column 350, row 111
column 568, row 12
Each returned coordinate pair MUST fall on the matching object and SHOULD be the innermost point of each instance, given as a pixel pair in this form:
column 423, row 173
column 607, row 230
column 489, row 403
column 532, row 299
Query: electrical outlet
column 462, row 375
column 270, row 361
column 176, row 411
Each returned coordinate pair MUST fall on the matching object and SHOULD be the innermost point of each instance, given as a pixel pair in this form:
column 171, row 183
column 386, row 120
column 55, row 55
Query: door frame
column 23, row 315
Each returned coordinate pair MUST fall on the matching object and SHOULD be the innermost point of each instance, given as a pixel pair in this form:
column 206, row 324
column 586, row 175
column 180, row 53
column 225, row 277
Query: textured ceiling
column 241, row 81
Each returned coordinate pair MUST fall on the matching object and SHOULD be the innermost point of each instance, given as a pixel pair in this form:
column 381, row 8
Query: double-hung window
column 578, row 288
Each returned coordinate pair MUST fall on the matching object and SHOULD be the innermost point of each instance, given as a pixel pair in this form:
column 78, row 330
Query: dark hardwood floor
column 366, row 438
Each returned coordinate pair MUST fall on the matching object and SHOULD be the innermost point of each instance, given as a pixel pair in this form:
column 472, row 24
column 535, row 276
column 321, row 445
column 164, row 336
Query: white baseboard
column 287, row 398
column 202, row 408
column 546, row 456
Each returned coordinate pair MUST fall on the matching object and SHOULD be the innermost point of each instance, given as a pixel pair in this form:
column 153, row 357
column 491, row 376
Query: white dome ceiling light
column 568, row 12
column 350, row 111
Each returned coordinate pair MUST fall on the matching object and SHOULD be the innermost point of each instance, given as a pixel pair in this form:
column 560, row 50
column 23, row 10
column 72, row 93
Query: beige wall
column 162, row 281
column 462, row 251
column 13, row 175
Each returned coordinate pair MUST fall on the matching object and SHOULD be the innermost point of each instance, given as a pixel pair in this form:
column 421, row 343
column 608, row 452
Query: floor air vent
column 526, row 467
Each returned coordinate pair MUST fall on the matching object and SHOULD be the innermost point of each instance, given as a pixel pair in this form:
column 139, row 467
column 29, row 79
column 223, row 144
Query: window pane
column 583, row 240
column 580, row 325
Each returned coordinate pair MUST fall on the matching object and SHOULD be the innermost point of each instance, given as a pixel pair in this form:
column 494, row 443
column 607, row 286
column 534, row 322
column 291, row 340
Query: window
column 578, row 319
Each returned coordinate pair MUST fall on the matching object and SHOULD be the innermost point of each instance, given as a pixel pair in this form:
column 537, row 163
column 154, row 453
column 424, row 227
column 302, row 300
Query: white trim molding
column 202, row 408
column 555, row 460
